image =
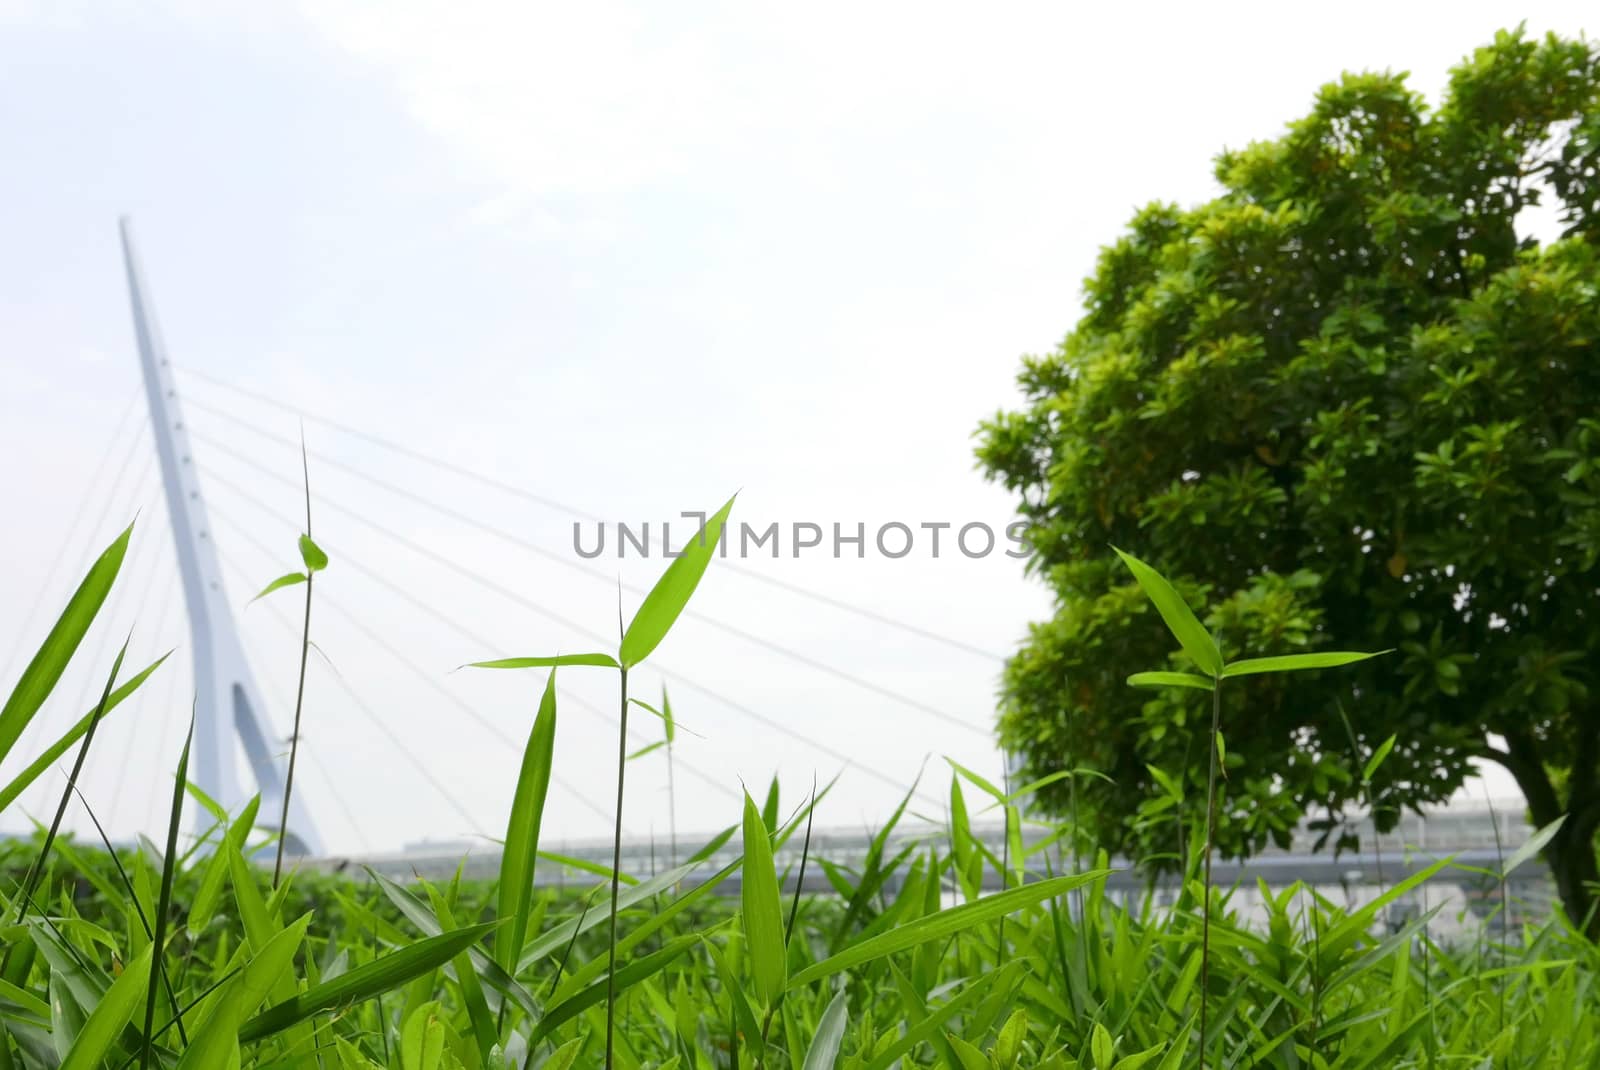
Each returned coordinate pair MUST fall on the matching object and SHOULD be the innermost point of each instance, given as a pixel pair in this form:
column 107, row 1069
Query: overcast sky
column 630, row 258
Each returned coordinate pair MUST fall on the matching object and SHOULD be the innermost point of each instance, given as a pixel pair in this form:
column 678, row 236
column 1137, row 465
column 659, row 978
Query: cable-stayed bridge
column 420, row 583
column 436, row 562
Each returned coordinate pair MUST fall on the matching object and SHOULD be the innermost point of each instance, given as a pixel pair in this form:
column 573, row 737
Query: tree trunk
column 1571, row 852
column 1576, row 874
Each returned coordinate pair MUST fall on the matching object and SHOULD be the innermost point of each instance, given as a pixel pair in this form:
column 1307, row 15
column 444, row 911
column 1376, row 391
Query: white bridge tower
column 227, row 702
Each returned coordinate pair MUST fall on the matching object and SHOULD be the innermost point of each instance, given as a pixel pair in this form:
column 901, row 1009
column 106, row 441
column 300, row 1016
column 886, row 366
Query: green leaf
column 312, row 555
column 425, row 919
column 943, row 924
column 971, row 1056
column 981, row 782
column 1181, row 621
column 422, row 1039
column 605, row 661
column 762, row 908
column 43, row 672
column 1101, row 1045
column 1533, row 846
column 24, row 779
column 111, row 1015
column 280, row 583
column 672, row 591
column 169, row 865
column 1377, row 759
column 519, row 858
column 1171, row 679
column 824, row 1050
column 365, row 981
column 209, row 893
column 647, row 749
column 629, row 975
column 219, row 1035
column 1328, row 659
column 927, row 1029
column 1138, row 1059
column 1008, row 1045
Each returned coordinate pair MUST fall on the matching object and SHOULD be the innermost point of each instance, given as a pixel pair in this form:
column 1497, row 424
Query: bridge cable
column 108, row 622
column 477, row 718
column 604, row 577
column 399, row 656
column 73, row 529
column 307, row 748
column 167, row 592
column 604, row 641
column 537, row 499
column 377, row 722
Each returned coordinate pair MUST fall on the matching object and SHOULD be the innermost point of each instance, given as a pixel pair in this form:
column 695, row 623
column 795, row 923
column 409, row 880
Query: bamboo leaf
column 1377, row 759
column 978, row 781
column 169, row 864
column 1181, row 621
column 519, row 858
column 1533, row 846
column 660, row 608
column 943, row 924
column 420, row 915
column 216, row 1043
column 1327, row 659
column 43, row 672
column 287, row 580
column 365, row 981
column 209, row 893
column 25, row 779
column 824, row 1050
column 111, row 1015
column 605, row 661
column 1171, row 679
column 762, row 909
column 312, row 554
column 628, row 976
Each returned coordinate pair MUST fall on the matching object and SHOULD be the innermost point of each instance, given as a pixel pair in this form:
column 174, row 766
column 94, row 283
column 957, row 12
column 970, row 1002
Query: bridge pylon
column 227, row 702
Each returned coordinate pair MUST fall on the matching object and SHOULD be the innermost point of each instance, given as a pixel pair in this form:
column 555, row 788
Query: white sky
column 630, row 258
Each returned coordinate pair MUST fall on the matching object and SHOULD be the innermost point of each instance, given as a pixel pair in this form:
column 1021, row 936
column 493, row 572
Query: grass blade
column 169, row 863
column 365, row 981
column 219, row 1035
column 943, row 924
column 672, row 591
column 1181, row 621
column 1328, row 659
column 762, row 910
column 44, row 671
column 824, row 1050
column 522, row 833
column 1171, row 679
column 603, row 661
column 23, row 780
column 111, row 1015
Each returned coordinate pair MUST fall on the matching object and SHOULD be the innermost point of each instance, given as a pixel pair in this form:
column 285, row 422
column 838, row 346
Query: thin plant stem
column 1211, row 840
column 1505, row 901
column 133, row 897
column 616, row 874
column 300, row 688
column 35, row 872
column 672, row 808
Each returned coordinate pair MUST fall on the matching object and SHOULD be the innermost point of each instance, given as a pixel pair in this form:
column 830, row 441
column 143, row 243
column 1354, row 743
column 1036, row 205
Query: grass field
column 213, row 951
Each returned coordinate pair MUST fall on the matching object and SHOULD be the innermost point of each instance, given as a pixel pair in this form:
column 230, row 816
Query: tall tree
column 1349, row 403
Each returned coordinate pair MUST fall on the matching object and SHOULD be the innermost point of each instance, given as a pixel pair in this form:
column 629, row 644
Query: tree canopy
column 1350, row 403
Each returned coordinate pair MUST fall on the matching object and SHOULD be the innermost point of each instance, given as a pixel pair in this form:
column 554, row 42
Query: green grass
column 194, row 955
